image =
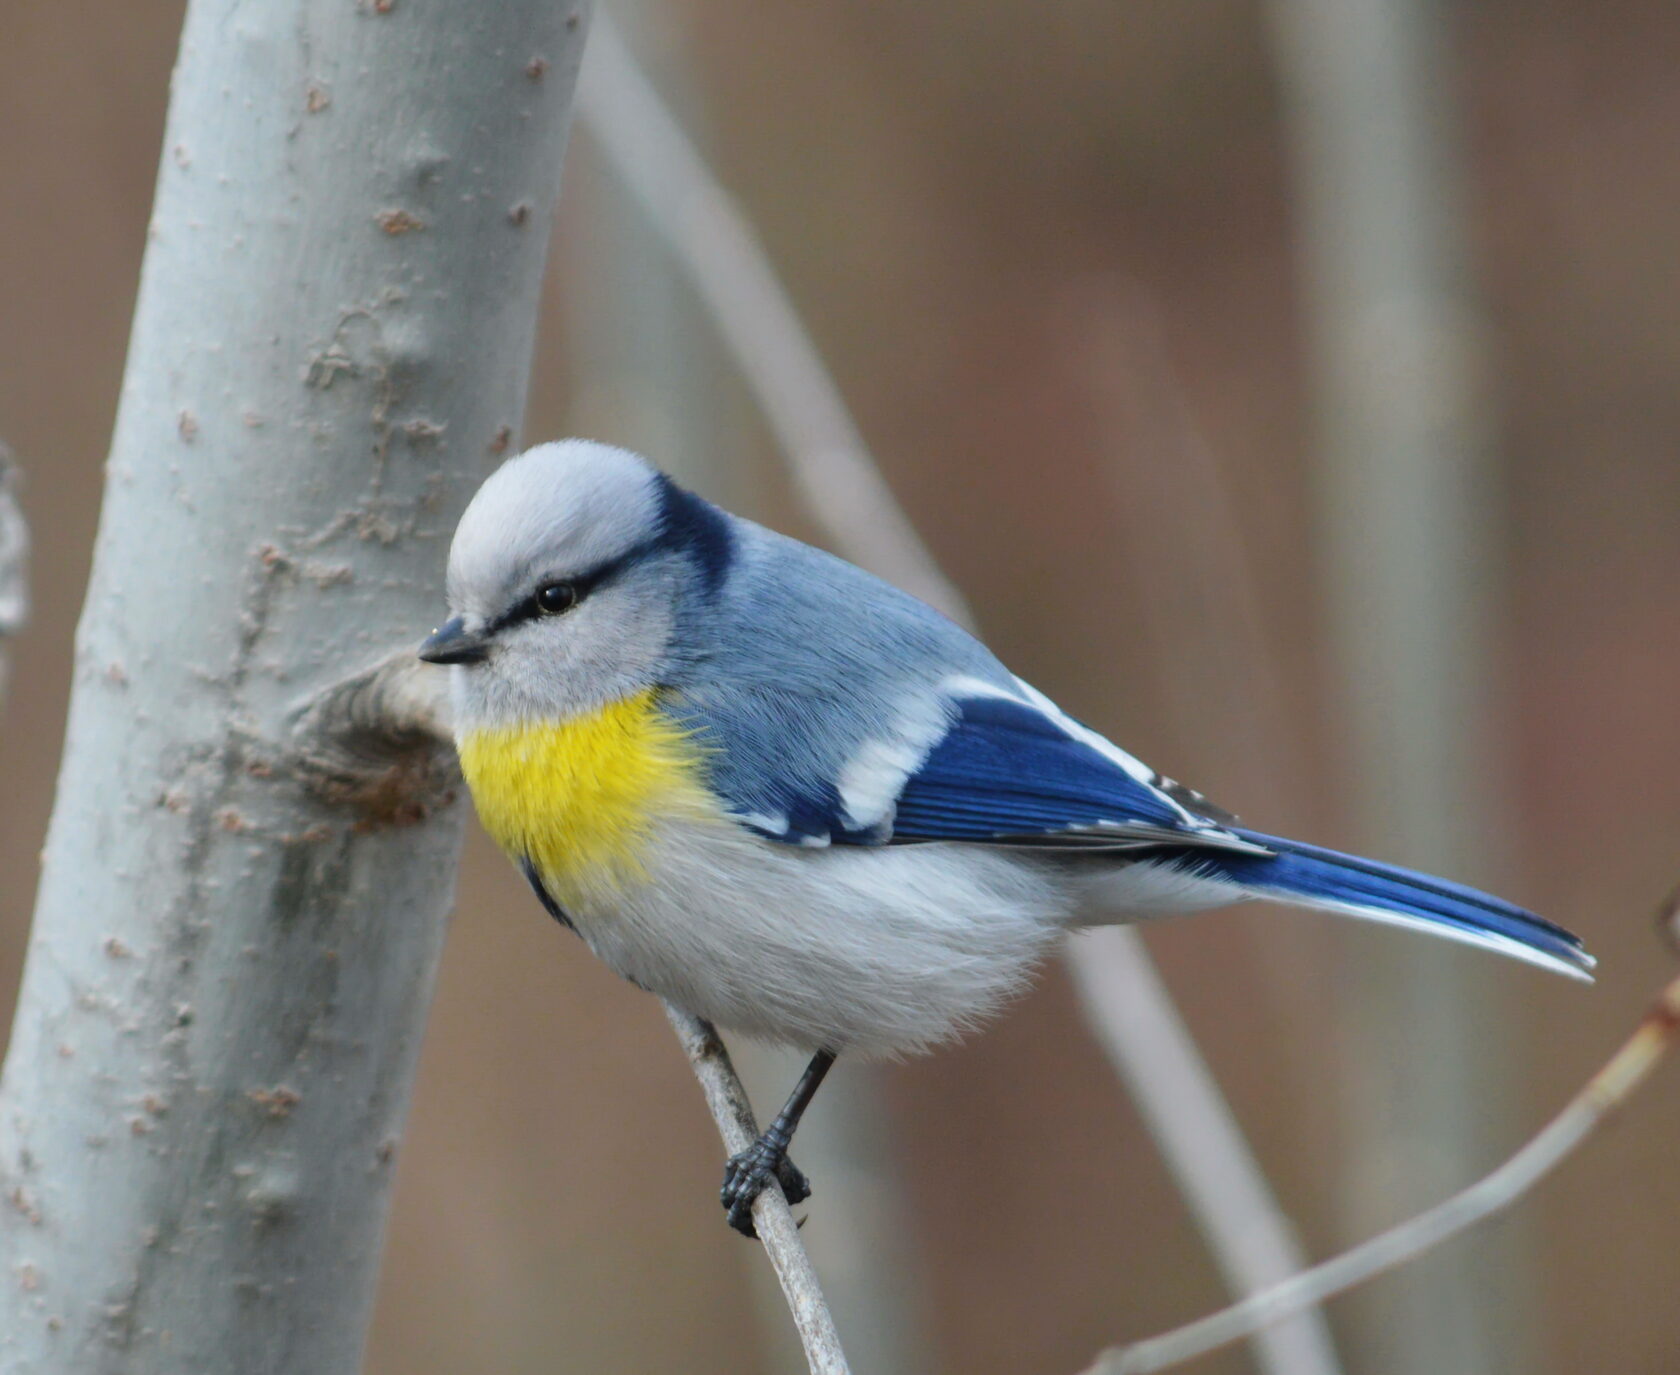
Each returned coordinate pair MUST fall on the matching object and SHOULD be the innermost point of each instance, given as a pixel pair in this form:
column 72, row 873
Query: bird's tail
column 1334, row 882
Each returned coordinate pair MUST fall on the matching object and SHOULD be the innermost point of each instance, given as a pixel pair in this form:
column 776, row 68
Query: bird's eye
column 555, row 597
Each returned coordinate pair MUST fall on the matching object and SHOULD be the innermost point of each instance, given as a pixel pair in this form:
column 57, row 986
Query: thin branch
column 379, row 741
column 1606, row 1091
column 390, row 722
column 846, row 493
column 771, row 1216
column 369, row 719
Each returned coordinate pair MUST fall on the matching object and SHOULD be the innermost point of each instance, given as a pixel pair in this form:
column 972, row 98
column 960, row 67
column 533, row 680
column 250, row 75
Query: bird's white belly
column 866, row 950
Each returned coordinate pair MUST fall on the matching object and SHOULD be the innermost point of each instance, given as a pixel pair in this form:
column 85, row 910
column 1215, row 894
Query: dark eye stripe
column 581, row 584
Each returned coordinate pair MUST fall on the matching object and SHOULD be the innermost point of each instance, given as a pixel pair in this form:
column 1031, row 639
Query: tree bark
column 234, row 949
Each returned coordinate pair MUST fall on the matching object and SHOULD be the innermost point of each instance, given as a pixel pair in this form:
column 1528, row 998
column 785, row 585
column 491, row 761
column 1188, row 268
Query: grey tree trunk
column 231, row 962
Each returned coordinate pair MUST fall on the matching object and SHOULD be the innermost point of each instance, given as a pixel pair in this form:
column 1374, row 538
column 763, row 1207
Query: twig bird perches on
column 384, row 730
column 797, row 802
column 772, row 1221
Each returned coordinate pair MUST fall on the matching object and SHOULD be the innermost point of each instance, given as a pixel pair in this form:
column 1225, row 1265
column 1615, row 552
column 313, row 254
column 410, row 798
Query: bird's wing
column 1014, row 769
column 966, row 760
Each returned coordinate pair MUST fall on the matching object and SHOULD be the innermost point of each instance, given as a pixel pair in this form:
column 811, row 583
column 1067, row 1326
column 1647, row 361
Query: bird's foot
column 747, row 1174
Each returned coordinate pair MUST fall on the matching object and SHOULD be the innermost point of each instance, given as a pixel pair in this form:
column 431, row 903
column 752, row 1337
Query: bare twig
column 771, row 1215
column 378, row 742
column 370, row 719
column 352, row 736
column 710, row 236
column 1606, row 1091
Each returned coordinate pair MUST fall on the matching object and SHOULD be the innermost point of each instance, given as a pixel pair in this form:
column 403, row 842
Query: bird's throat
column 581, row 797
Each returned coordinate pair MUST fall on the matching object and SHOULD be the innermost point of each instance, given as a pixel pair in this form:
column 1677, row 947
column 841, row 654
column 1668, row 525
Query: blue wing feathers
column 1004, row 768
column 1315, row 875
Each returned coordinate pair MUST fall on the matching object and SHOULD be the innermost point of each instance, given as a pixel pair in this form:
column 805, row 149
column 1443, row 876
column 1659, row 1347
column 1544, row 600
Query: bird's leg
column 746, row 1174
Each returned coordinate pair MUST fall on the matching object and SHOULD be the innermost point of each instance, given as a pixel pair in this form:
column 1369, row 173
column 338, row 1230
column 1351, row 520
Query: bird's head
column 571, row 575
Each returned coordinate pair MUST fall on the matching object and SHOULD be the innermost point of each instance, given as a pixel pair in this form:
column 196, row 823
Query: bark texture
column 234, row 949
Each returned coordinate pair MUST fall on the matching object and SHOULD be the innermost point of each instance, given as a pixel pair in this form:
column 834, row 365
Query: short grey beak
column 452, row 643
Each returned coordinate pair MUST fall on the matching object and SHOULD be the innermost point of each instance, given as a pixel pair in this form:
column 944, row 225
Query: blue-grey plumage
column 794, row 800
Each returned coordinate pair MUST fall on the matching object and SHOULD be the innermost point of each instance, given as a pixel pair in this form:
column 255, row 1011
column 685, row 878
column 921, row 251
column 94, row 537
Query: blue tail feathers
column 1385, row 892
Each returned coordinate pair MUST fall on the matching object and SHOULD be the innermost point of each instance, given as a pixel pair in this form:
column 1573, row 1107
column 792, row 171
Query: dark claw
column 747, row 1174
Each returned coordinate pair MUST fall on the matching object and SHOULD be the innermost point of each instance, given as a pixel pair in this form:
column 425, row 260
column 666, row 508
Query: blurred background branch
column 1134, row 1020
column 1606, row 1092
column 1402, row 477
column 14, row 564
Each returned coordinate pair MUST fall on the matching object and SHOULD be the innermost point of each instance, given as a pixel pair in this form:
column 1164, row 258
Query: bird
column 803, row 805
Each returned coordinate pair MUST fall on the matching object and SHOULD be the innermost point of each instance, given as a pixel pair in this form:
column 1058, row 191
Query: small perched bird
column 797, row 802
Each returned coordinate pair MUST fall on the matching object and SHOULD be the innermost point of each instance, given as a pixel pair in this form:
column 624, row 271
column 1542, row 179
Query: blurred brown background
column 1047, row 250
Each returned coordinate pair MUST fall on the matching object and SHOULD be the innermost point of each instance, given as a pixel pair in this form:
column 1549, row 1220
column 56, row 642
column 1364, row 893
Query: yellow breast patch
column 579, row 797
